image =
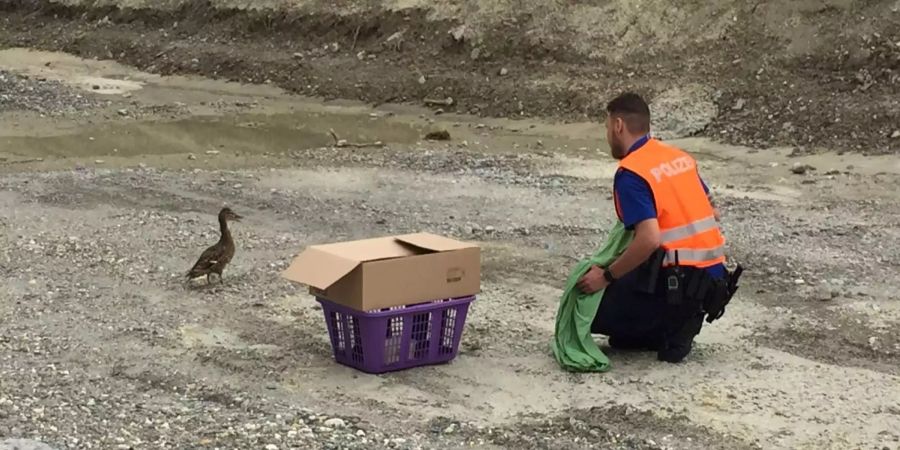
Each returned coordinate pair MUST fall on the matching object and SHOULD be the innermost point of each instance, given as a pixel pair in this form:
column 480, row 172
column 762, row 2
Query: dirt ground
column 111, row 177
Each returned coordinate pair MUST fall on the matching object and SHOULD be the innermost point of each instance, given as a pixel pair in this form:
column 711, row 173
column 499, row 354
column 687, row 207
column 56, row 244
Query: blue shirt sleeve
column 635, row 198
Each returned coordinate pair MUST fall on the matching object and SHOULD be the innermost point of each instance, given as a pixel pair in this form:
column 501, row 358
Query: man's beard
column 617, row 150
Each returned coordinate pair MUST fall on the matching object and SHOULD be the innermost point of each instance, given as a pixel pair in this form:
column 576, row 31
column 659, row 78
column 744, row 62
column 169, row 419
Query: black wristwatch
column 608, row 276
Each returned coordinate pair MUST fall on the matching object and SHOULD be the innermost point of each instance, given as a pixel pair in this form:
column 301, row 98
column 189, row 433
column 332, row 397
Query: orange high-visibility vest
column 686, row 218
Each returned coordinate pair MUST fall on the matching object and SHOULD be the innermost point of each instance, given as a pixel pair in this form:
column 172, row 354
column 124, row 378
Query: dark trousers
column 638, row 320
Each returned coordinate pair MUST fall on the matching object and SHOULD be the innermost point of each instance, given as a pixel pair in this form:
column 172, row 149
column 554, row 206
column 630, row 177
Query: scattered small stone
column 799, row 281
column 335, row 423
column 298, row 55
column 99, row 161
column 801, row 169
column 422, row 79
column 191, row 156
column 442, row 135
column 96, row 87
column 396, row 37
column 439, row 102
column 739, row 104
column 825, row 294
column 123, row 112
column 458, row 33
column 895, row 134
column 504, row 71
column 212, row 152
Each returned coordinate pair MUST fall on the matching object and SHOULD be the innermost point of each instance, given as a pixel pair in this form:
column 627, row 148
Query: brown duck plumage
column 216, row 257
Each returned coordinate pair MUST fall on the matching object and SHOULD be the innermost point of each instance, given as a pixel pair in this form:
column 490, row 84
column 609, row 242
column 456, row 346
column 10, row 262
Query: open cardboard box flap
column 433, row 242
column 320, row 266
column 331, row 269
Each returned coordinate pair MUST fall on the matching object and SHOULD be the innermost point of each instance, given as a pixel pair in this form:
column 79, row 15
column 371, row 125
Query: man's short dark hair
column 633, row 110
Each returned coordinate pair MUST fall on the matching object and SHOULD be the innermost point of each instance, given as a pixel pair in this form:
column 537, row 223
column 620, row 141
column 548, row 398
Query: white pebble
column 335, row 423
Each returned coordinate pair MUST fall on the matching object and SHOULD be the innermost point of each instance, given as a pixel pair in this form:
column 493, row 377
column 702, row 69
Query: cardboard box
column 390, row 271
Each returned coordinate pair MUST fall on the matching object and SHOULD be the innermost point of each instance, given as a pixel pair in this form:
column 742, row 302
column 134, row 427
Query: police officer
column 659, row 194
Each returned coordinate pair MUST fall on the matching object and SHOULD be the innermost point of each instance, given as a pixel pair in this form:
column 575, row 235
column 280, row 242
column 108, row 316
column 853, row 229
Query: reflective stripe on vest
column 686, row 231
column 689, row 255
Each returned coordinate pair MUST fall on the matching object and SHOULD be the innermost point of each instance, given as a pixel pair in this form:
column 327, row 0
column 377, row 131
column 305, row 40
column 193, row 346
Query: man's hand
column 592, row 281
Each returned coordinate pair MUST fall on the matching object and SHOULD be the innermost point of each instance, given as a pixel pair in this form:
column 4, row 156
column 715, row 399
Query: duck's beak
column 238, row 218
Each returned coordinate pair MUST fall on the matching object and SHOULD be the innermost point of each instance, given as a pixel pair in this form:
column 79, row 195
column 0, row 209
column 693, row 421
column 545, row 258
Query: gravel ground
column 106, row 347
column 20, row 92
column 103, row 329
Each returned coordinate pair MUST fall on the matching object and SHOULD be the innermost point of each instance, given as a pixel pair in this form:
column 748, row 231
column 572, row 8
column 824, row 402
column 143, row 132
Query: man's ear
column 619, row 125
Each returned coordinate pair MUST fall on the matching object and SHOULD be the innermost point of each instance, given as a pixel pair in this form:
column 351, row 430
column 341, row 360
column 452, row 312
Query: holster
column 709, row 294
column 724, row 289
column 688, row 290
column 648, row 272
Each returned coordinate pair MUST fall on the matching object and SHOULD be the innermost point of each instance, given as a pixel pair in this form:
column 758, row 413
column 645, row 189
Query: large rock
column 683, row 111
column 23, row 444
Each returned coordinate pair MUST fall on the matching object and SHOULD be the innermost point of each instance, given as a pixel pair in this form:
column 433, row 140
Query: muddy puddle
column 243, row 134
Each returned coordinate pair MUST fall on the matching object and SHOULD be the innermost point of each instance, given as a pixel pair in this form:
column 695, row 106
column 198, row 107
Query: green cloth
column 573, row 345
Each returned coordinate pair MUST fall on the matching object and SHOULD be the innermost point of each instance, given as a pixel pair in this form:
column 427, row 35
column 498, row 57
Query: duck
column 214, row 259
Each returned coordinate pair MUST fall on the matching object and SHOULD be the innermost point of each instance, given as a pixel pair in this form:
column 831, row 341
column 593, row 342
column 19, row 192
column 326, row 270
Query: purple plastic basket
column 396, row 338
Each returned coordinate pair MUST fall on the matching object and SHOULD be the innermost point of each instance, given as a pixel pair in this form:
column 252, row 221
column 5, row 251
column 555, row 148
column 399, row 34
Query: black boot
column 678, row 344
